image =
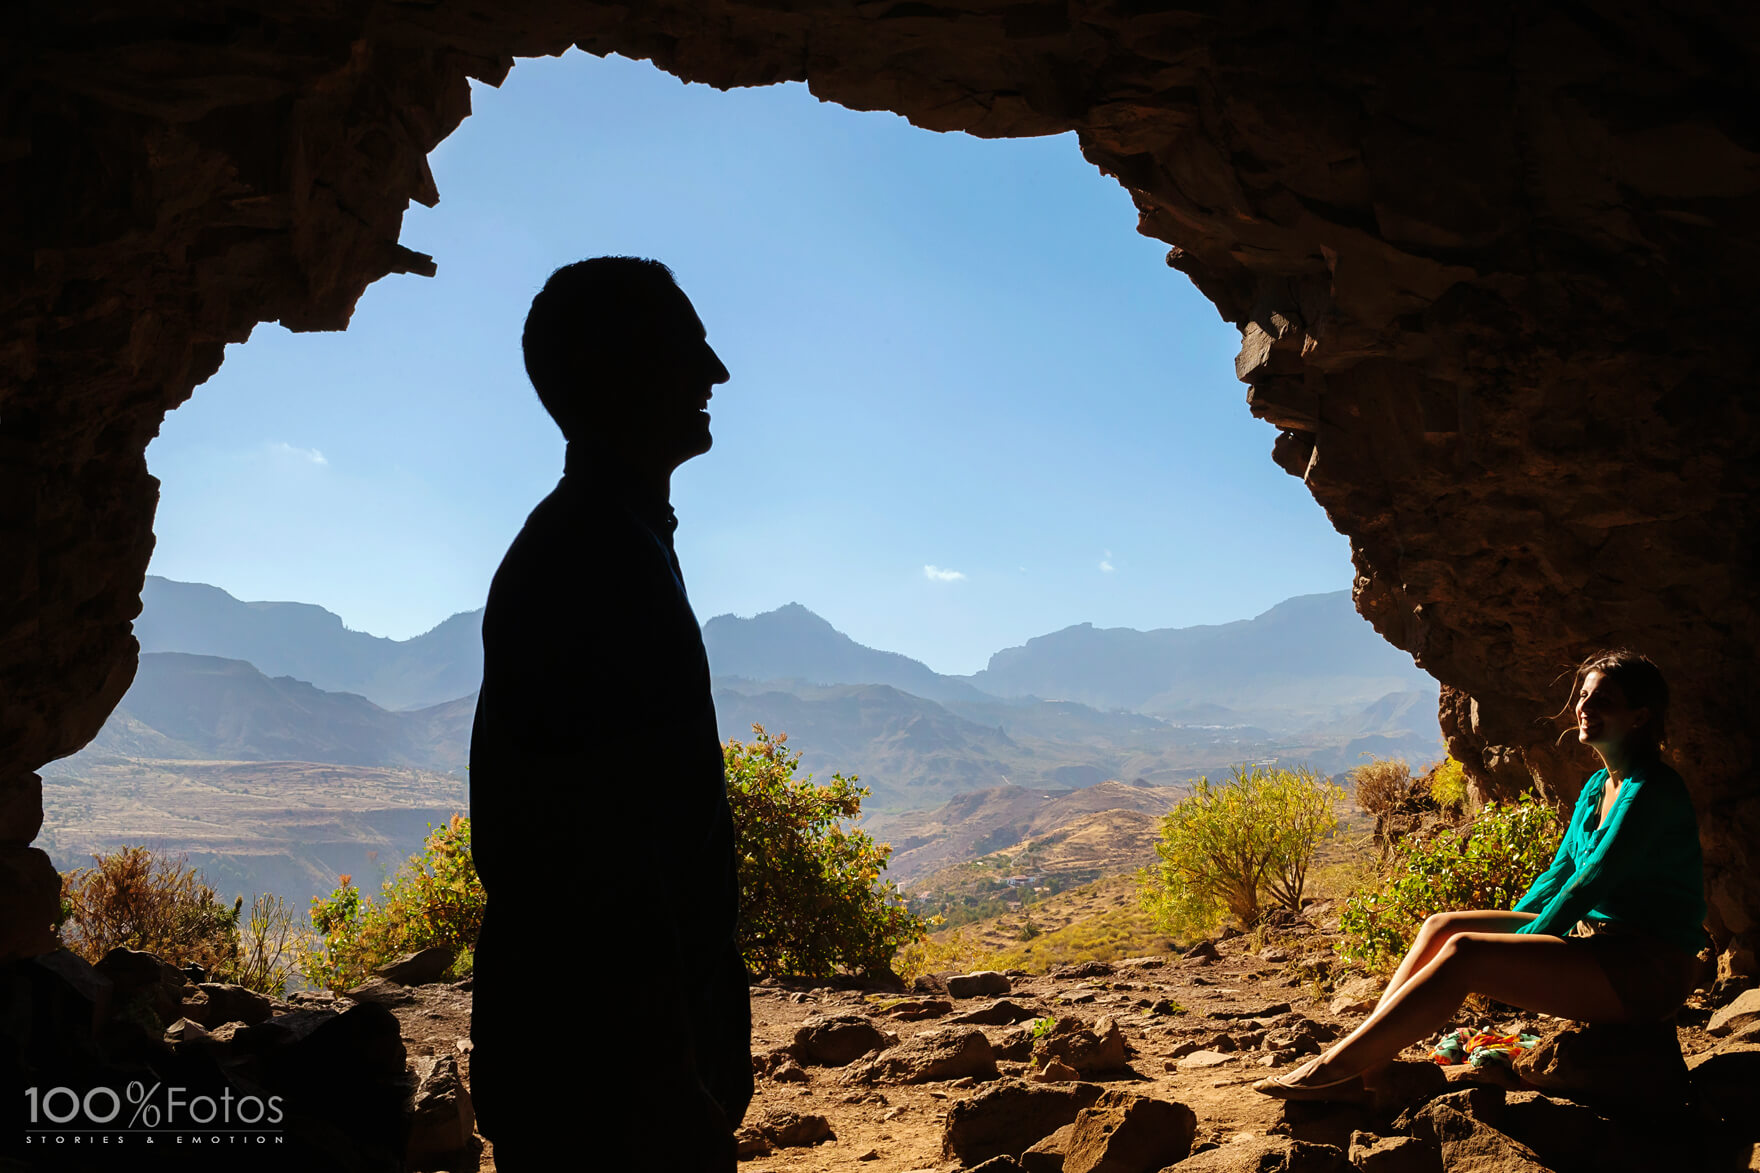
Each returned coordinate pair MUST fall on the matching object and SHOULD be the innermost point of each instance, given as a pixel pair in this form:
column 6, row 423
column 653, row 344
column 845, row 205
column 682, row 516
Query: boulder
column 1597, row 1063
column 1081, row 969
column 788, row 1129
column 1726, row 1083
column 1122, row 1132
column 1392, row 1154
column 1047, row 1153
column 838, row 1040
column 1468, row 1143
column 1009, row 1116
column 788, row 1071
column 380, row 991
column 1481, row 1103
column 1737, row 1016
column 1403, row 1084
column 420, row 968
column 441, row 1116
column 1203, row 953
column 230, row 1003
column 1357, row 995
column 1014, row 1045
column 1266, row 1154
column 1271, row 1010
column 1001, row 1012
column 143, row 988
column 1571, row 1136
column 947, row 1053
column 998, row 1165
column 913, row 1009
column 985, row 983
column 1089, row 1051
column 1055, row 1071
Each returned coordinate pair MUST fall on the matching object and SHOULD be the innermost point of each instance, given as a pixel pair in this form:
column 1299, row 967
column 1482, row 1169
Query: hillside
column 186, row 707
column 1001, row 819
column 284, row 827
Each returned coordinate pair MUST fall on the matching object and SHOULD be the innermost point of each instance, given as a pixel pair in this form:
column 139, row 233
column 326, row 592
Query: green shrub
column 1488, row 863
column 435, row 898
column 1448, row 786
column 163, row 906
column 1225, row 847
column 811, row 897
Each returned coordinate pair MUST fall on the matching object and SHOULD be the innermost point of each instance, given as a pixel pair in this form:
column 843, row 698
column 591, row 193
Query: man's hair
column 1640, row 681
column 581, row 326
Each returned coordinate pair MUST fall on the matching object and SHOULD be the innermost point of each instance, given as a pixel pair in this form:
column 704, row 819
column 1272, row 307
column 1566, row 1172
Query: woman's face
column 1604, row 719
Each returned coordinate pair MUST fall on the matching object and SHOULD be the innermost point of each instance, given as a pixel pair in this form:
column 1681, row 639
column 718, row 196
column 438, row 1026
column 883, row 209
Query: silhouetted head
column 621, row 362
column 1620, row 702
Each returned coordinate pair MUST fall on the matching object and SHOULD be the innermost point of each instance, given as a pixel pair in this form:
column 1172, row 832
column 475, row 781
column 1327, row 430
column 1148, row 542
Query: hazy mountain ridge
column 1309, row 657
column 308, row 643
column 185, row 707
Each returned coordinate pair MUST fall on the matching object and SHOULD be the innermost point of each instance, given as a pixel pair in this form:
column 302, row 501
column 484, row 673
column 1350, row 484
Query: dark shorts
column 1651, row 977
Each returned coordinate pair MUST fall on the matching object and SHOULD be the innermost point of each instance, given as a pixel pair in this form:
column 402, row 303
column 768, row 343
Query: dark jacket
column 602, row 834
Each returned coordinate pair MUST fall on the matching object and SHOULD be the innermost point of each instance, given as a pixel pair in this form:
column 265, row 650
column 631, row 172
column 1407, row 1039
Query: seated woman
column 1627, row 881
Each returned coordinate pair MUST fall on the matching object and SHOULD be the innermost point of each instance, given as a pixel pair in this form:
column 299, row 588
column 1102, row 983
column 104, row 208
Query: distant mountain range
column 204, row 708
column 1306, row 663
column 1308, row 680
column 279, row 748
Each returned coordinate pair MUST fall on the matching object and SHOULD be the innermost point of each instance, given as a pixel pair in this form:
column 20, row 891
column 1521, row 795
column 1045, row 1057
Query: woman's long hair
column 1640, row 682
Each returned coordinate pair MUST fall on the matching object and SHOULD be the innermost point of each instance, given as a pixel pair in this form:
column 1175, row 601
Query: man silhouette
column 600, row 820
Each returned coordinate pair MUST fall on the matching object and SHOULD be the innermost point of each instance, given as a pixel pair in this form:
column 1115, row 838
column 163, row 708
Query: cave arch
column 1489, row 275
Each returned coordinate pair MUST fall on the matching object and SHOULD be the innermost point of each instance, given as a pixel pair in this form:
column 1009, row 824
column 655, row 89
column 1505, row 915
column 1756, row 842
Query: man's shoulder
column 572, row 547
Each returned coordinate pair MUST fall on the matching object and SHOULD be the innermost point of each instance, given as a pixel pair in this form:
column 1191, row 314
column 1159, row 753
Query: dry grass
column 1102, row 921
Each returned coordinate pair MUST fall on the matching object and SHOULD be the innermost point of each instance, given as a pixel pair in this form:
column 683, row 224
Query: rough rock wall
column 1490, row 268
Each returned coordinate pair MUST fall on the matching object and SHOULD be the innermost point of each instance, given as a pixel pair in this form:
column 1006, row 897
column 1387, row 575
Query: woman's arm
column 1550, row 882
column 1620, row 853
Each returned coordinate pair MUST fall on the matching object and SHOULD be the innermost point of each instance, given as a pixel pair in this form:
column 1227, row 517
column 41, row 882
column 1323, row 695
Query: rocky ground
column 1147, row 1063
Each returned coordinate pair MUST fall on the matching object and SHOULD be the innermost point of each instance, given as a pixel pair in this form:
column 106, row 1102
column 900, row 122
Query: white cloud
column 1106, row 563
column 936, row 574
column 308, row 454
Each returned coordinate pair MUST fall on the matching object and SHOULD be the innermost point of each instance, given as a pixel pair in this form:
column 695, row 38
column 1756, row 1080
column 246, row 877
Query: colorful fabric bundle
column 1479, row 1047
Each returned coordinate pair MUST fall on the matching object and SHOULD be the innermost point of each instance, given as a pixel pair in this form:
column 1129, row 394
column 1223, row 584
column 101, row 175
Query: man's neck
column 649, row 487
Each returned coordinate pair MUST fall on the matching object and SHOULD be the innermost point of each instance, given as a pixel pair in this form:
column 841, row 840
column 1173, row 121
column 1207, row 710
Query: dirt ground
column 892, row 1128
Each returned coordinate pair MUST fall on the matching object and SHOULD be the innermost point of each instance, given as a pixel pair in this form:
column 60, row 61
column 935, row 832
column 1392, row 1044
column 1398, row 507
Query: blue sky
column 969, row 403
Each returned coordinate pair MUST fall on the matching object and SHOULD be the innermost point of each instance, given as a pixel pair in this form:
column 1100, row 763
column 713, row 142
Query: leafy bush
column 1383, row 785
column 435, row 898
column 1448, row 786
column 1224, row 847
column 163, row 906
column 1488, row 863
column 160, row 905
column 811, row 897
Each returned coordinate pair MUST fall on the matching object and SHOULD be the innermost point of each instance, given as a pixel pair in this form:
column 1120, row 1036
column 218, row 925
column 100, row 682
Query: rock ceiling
column 1492, row 269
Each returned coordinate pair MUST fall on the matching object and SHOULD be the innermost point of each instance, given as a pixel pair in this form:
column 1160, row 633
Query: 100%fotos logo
column 149, row 1108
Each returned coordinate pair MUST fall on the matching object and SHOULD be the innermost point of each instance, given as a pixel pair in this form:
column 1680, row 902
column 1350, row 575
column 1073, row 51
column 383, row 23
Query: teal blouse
column 1643, row 869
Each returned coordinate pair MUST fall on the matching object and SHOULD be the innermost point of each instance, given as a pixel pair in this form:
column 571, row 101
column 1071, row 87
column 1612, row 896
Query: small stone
column 1198, row 1060
column 1056, row 1071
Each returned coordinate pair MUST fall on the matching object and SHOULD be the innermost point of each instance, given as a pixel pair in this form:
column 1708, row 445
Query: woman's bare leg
column 1436, row 931
column 1547, row 975
column 1432, row 935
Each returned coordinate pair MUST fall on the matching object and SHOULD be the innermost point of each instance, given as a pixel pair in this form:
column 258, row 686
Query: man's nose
column 717, row 369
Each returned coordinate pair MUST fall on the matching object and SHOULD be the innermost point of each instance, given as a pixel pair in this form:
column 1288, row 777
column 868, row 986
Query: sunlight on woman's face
column 1604, row 718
